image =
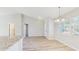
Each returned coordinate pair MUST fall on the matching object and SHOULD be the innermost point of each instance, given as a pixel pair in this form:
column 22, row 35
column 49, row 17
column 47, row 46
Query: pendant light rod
column 59, row 12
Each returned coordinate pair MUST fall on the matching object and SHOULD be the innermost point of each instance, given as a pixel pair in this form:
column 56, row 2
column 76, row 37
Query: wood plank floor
column 43, row 44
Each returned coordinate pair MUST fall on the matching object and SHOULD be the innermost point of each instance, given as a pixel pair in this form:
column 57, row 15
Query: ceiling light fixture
column 63, row 20
column 40, row 18
column 58, row 20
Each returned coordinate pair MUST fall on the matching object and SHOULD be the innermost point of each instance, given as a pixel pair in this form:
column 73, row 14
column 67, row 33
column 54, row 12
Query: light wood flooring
column 43, row 44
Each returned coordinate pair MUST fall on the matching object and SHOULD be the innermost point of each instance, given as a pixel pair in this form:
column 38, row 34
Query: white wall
column 5, row 20
column 35, row 26
column 49, row 28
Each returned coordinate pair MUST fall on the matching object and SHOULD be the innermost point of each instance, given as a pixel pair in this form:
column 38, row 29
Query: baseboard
column 36, row 36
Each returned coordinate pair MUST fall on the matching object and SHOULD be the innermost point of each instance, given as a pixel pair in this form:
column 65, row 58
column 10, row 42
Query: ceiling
column 36, row 12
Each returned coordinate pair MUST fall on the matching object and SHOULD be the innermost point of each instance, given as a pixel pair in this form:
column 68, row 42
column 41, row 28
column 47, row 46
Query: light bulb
column 63, row 19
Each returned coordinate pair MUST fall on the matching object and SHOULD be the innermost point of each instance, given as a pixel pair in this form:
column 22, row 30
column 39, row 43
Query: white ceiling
column 35, row 12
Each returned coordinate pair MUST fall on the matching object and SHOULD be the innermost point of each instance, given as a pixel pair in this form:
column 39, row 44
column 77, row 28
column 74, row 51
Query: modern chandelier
column 59, row 17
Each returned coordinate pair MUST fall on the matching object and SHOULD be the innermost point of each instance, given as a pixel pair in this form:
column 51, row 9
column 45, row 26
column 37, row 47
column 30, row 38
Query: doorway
column 26, row 30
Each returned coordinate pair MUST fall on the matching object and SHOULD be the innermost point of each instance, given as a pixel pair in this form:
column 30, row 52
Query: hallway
column 42, row 44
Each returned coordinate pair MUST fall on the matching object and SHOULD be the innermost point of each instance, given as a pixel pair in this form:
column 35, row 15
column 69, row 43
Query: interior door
column 26, row 31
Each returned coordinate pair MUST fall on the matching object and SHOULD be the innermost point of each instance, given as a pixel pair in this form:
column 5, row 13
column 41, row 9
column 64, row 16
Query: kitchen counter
column 5, row 42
